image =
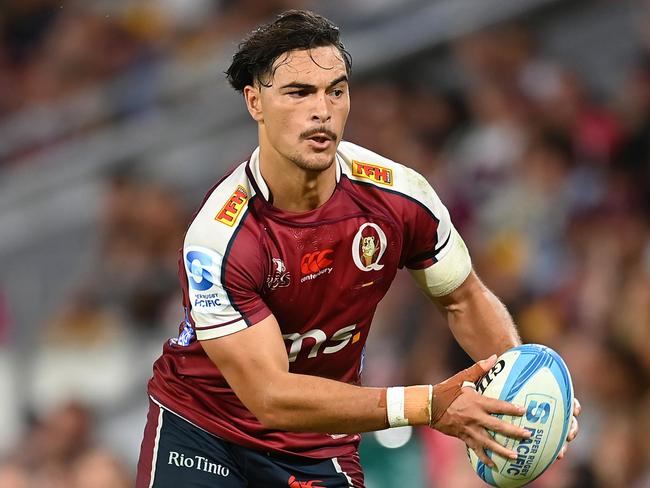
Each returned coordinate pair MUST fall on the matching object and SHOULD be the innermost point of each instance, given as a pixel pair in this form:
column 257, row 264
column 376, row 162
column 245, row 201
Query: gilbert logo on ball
column 536, row 377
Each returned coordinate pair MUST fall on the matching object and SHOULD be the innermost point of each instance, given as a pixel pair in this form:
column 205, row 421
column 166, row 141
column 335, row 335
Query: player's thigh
column 175, row 453
column 270, row 471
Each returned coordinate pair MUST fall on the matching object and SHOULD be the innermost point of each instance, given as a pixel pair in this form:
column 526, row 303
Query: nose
column 321, row 110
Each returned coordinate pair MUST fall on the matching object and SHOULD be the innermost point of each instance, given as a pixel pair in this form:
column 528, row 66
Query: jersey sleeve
column 434, row 251
column 221, row 269
column 222, row 292
column 428, row 227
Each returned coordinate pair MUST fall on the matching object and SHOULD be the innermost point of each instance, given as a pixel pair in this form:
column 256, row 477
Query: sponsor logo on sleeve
column 368, row 247
column 373, row 172
column 203, row 268
column 234, row 205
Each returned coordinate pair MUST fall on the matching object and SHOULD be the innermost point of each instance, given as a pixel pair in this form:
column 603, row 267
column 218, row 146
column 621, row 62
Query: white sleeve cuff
column 444, row 276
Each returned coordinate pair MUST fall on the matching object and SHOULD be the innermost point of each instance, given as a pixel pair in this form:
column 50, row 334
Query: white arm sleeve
column 444, row 276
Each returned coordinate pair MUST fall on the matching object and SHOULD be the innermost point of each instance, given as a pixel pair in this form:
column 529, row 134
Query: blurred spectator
column 142, row 229
column 57, row 453
column 99, row 469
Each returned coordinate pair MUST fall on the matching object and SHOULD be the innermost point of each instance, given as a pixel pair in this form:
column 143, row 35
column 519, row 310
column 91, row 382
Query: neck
column 295, row 189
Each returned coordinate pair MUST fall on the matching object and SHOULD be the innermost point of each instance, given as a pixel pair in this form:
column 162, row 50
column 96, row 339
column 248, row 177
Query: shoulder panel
column 361, row 164
column 206, row 253
column 222, row 212
column 426, row 220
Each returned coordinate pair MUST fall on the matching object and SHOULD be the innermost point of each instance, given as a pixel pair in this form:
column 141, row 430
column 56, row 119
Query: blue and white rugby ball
column 536, row 377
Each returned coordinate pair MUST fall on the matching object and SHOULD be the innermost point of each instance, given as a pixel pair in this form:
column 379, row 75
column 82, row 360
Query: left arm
column 477, row 319
column 441, row 266
column 482, row 326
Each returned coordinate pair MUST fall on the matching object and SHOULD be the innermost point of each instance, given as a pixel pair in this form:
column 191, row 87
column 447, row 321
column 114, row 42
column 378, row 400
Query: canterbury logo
column 233, row 207
column 313, row 262
column 378, row 174
column 294, row 483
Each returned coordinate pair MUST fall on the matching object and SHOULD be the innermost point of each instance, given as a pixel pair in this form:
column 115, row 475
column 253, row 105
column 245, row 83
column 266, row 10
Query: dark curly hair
column 292, row 30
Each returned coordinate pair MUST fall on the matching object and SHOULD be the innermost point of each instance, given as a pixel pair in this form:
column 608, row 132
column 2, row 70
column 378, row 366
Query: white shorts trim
column 156, row 442
column 338, row 469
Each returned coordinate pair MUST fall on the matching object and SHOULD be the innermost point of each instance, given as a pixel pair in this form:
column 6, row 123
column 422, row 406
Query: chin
column 314, row 162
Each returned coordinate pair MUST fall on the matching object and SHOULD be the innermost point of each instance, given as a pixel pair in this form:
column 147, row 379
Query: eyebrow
column 297, row 84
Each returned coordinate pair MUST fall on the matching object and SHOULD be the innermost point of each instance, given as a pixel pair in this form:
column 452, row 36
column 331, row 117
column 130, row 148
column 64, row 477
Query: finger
column 577, row 408
column 482, row 455
column 478, row 370
column 562, row 451
column 506, row 428
column 486, row 364
column 492, row 405
column 488, row 442
column 573, row 431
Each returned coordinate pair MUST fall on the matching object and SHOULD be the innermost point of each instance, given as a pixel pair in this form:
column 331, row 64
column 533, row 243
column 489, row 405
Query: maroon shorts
column 176, row 453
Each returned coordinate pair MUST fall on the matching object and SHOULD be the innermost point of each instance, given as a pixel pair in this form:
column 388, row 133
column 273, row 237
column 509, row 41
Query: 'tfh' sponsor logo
column 233, row 207
column 373, row 172
column 199, row 463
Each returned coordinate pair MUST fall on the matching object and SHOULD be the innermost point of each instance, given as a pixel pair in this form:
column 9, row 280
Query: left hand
column 573, row 430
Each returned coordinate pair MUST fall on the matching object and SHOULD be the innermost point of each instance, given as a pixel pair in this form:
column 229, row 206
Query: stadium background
column 530, row 118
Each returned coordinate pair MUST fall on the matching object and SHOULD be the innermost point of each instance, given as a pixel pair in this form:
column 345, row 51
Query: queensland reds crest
column 368, row 247
column 279, row 277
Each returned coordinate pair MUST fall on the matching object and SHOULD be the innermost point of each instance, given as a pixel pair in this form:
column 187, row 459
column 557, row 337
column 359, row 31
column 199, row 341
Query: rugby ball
column 535, row 377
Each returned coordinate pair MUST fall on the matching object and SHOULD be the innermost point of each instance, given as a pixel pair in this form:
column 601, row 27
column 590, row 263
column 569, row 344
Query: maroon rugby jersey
column 320, row 273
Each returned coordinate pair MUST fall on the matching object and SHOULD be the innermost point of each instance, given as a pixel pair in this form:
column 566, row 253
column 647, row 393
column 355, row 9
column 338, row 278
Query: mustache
column 318, row 130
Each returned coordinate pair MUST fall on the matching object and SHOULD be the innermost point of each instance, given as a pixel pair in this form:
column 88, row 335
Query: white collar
column 254, row 163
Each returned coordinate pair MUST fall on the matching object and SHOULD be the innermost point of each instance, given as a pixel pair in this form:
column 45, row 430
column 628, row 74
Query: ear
column 252, row 96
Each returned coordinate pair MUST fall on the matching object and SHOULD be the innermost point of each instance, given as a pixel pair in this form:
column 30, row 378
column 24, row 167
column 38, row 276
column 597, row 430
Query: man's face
column 303, row 112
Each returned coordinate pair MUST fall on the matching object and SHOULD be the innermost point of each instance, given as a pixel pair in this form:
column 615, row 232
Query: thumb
column 478, row 370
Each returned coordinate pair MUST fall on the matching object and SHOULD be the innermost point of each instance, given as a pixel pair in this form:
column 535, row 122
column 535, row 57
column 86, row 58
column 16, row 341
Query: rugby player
column 282, row 269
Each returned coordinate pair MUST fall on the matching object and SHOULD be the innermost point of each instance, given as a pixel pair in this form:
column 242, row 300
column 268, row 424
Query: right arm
column 283, row 400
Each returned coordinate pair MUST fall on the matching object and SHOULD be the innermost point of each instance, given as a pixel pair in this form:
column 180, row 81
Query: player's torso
column 320, row 273
column 326, row 271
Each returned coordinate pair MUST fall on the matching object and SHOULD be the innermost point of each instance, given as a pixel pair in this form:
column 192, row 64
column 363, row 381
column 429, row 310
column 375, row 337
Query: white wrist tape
column 395, row 407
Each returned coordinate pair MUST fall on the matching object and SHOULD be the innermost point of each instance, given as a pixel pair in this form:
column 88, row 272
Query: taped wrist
column 446, row 392
column 409, row 405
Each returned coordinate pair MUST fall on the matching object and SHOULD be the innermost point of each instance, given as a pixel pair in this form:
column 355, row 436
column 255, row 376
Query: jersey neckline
column 266, row 197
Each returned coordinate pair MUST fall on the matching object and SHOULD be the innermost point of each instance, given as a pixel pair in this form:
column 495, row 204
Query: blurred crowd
column 58, row 452
column 547, row 181
column 52, row 50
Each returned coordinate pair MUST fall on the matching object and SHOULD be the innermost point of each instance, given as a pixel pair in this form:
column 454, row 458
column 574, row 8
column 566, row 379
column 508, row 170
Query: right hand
column 462, row 412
